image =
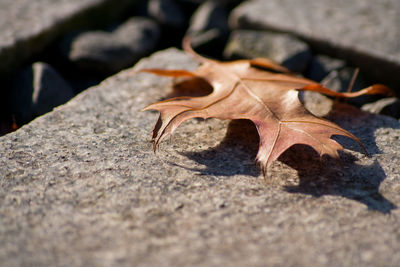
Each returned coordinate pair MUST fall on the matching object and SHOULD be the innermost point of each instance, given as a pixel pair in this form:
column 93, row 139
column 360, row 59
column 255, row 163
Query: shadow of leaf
column 358, row 122
column 345, row 178
column 234, row 155
column 317, row 176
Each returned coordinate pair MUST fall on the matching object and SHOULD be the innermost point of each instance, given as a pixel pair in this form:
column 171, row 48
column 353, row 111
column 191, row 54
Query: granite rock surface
column 81, row 186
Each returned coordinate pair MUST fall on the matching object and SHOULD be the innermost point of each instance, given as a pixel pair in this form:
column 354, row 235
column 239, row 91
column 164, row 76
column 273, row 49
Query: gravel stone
column 109, row 52
column 28, row 27
column 282, row 48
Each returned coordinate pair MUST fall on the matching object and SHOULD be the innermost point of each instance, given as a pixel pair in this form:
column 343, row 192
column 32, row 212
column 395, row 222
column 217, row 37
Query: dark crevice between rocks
column 7, row 119
column 78, row 79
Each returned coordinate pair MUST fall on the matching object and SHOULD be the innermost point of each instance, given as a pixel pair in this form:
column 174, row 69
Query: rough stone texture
column 27, row 27
column 81, row 186
column 37, row 90
column 364, row 32
column 109, row 52
column 282, row 48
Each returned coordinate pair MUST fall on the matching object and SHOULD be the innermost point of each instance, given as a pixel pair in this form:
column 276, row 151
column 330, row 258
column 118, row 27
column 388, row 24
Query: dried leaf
column 261, row 91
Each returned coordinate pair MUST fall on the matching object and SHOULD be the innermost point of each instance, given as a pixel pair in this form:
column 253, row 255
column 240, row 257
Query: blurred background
column 51, row 50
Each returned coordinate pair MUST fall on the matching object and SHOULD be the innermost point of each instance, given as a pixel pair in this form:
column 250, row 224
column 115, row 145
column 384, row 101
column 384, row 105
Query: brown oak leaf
column 261, row 91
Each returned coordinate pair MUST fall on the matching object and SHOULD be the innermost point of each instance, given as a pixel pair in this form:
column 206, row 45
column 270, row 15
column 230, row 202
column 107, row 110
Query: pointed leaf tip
column 268, row 98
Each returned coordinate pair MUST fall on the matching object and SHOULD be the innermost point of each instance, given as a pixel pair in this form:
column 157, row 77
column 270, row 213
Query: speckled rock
column 27, row 27
column 109, row 52
column 282, row 48
column 364, row 32
column 81, row 186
